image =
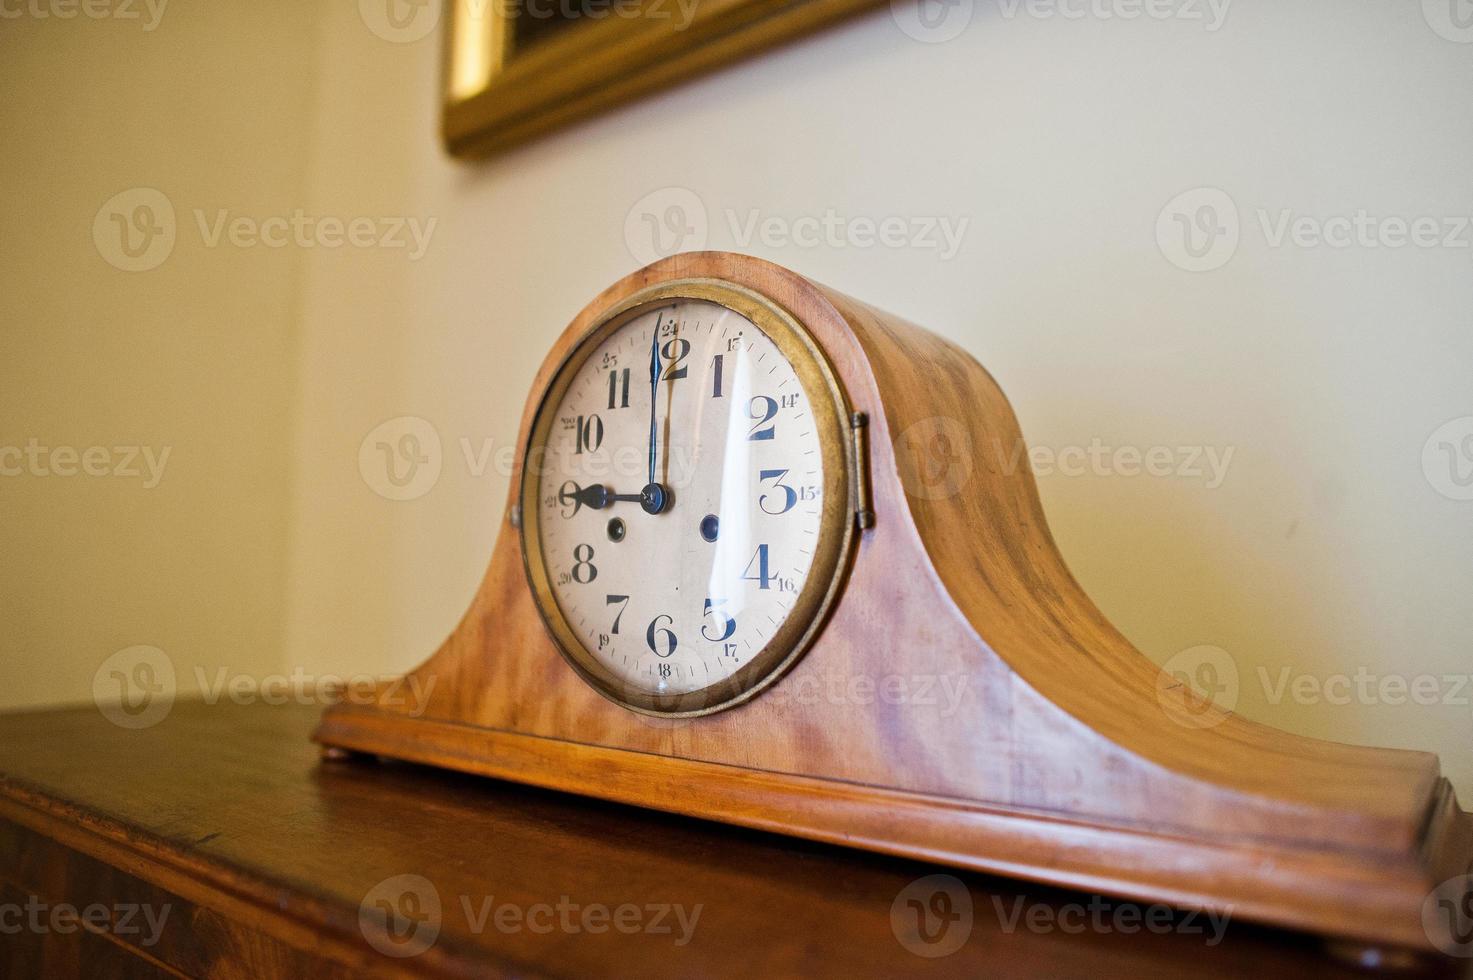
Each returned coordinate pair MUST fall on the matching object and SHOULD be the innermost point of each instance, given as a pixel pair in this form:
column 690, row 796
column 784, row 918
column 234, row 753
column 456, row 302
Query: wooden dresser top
column 230, row 807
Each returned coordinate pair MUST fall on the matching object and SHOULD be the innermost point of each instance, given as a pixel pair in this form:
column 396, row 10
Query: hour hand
column 597, row 496
column 653, row 498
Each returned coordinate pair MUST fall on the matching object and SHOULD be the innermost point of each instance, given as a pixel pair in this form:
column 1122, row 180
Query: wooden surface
column 266, row 855
column 1064, row 755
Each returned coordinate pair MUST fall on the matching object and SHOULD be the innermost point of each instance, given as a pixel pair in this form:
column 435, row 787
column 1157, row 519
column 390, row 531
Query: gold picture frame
column 515, row 69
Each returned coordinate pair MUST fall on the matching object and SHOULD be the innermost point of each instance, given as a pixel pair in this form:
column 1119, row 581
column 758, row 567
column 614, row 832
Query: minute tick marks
column 681, row 425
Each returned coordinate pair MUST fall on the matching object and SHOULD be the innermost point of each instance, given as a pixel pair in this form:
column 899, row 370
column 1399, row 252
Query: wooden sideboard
column 218, row 844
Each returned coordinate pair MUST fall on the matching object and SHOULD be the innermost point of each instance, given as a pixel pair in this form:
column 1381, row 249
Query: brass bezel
column 836, row 524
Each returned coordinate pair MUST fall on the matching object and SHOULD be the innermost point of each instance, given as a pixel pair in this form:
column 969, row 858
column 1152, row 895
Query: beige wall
column 1325, row 548
column 197, row 356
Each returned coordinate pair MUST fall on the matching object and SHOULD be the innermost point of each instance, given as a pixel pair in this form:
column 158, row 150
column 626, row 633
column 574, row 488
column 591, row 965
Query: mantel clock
column 759, row 566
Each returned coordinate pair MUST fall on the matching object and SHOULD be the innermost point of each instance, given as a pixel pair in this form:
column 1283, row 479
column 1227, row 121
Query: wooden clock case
column 965, row 703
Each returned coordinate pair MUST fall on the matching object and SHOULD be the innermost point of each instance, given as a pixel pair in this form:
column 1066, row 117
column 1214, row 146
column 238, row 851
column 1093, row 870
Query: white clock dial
column 680, row 486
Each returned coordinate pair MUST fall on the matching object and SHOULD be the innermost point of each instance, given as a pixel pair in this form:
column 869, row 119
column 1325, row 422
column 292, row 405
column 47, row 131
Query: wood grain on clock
column 965, row 702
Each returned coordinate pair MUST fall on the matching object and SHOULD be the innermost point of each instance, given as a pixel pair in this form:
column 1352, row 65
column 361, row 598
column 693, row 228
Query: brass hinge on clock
column 864, row 515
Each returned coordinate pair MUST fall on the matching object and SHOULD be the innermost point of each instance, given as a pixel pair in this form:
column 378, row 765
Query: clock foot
column 1369, row 956
column 333, row 753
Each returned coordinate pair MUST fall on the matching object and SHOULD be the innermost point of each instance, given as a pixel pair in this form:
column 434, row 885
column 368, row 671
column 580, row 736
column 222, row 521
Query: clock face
column 685, row 498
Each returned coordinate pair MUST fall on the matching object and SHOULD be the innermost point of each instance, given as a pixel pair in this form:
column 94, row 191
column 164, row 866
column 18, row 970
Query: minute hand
column 654, row 392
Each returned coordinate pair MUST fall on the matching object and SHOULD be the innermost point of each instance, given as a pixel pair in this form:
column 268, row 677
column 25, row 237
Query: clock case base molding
column 965, row 703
